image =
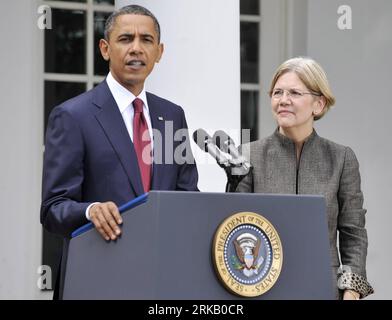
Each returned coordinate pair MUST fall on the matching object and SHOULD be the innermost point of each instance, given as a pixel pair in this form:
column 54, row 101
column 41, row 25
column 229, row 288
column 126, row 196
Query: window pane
column 101, row 67
column 58, row 92
column 250, row 7
column 249, row 52
column 110, row 2
column 250, row 112
column 65, row 43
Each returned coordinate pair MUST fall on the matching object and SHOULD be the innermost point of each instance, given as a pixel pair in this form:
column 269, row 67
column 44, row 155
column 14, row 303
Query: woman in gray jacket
column 295, row 160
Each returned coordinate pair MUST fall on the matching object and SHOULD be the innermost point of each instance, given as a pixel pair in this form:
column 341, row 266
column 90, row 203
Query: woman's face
column 293, row 106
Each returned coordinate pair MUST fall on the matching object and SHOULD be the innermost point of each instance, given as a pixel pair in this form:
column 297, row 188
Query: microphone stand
column 235, row 172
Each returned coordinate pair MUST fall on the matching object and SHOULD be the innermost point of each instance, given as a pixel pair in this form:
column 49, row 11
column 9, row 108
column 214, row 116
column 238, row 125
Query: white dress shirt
column 124, row 99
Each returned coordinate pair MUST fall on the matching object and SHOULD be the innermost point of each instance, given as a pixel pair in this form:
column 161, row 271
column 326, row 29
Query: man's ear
column 105, row 49
column 161, row 49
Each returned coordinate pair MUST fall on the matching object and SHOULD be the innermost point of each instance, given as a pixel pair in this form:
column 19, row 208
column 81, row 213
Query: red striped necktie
column 142, row 143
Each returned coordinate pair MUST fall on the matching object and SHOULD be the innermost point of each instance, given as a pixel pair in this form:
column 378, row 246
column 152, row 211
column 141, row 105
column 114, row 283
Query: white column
column 21, row 140
column 200, row 69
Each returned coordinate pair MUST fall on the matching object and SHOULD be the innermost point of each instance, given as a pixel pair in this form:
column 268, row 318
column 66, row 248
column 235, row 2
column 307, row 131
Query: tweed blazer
column 324, row 168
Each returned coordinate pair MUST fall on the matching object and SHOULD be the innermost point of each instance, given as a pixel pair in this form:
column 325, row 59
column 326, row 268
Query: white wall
column 358, row 63
column 200, row 69
column 21, row 134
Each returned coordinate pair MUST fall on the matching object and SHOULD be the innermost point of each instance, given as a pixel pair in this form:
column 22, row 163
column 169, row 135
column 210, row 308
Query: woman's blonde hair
column 312, row 75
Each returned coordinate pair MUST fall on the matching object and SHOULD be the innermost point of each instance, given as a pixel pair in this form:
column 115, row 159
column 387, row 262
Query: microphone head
column 222, row 140
column 202, row 138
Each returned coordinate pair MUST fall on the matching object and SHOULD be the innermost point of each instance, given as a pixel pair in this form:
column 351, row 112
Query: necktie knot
column 138, row 105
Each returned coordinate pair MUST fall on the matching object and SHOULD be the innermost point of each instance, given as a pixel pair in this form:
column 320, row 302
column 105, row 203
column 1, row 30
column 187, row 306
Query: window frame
column 254, row 87
column 90, row 8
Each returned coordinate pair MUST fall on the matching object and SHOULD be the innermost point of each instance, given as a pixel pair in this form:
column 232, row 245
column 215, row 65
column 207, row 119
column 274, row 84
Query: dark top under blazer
column 325, row 168
column 89, row 157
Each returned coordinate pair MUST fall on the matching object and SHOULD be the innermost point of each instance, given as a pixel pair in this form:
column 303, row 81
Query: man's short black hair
column 131, row 9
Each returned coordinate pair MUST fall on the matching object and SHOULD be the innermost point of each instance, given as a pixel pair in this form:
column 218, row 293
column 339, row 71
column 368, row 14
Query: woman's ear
column 319, row 105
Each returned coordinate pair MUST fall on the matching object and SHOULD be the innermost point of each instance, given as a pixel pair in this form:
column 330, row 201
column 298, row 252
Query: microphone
column 223, row 141
column 235, row 168
column 205, row 143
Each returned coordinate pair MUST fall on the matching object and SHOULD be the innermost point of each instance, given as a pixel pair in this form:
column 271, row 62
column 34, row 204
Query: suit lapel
column 158, row 123
column 113, row 124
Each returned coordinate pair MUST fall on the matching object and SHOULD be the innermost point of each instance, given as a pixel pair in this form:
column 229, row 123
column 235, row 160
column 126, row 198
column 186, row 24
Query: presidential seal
column 247, row 254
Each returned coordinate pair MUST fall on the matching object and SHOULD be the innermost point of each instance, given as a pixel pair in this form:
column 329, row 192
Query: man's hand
column 106, row 219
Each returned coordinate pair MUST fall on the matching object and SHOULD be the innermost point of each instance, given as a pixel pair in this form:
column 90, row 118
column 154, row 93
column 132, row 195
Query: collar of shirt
column 124, row 99
column 123, row 96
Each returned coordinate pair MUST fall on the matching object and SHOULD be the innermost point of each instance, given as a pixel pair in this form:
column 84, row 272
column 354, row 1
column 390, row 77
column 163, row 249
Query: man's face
column 132, row 50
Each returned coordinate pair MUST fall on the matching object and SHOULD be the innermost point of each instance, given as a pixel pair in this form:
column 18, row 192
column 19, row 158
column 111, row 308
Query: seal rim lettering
column 222, row 238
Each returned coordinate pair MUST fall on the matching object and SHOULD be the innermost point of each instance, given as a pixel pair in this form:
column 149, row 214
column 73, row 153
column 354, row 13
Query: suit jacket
column 325, row 168
column 89, row 157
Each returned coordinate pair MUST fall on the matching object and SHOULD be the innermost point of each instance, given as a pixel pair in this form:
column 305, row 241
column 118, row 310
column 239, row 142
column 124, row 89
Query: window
column 72, row 65
column 250, row 84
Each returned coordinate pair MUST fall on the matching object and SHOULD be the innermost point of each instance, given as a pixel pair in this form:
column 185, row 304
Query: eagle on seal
column 247, row 249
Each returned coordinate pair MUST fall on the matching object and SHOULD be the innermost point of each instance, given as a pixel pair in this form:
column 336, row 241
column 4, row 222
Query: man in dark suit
column 97, row 149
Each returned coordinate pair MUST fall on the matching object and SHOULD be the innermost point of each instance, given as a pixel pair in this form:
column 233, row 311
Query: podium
column 165, row 250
